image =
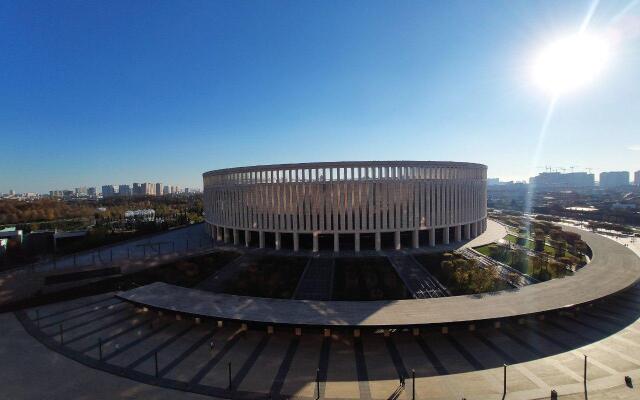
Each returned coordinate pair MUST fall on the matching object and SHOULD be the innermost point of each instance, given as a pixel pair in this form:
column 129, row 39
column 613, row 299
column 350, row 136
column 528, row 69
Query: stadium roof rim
column 338, row 164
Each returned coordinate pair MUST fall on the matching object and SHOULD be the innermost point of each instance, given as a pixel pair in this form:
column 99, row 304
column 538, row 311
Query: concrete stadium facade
column 360, row 205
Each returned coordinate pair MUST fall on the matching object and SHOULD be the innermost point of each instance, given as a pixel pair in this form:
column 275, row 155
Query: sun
column 570, row 63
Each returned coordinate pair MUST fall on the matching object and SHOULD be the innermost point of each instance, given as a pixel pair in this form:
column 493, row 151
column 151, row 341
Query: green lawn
column 531, row 244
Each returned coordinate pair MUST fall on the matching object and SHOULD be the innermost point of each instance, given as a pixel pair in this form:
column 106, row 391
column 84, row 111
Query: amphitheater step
column 417, row 279
column 316, row 282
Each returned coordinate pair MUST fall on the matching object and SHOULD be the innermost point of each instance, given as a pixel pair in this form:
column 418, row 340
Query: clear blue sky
column 99, row 92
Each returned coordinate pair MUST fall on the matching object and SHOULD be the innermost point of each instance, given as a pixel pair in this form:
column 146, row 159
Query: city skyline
column 103, row 93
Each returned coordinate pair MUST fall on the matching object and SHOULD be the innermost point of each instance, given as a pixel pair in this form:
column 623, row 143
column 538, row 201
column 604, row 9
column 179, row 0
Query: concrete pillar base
column 278, row 240
column 261, row 239
column 227, row 236
column 445, row 235
column 458, row 233
column 432, row 237
column 415, row 239
column 356, row 241
column 315, row 242
column 247, row 238
column 270, row 330
column 198, row 321
column 296, row 241
column 378, row 241
column 236, row 237
column 396, row 240
column 336, row 242
column 467, row 231
column 220, row 324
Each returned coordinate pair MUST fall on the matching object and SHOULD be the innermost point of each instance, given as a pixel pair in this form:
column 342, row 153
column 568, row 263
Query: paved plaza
column 541, row 355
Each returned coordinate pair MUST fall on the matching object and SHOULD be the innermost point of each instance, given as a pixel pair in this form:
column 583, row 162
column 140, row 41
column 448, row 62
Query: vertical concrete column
column 396, row 240
column 296, row 241
column 278, row 240
column 467, row 231
column 219, row 234
column 356, row 242
column 315, row 242
column 458, row 233
column 336, row 242
column 474, row 229
column 432, row 237
column 416, row 239
column 227, row 235
column 445, row 235
column 261, row 239
column 247, row 238
column 378, row 242
column 236, row 237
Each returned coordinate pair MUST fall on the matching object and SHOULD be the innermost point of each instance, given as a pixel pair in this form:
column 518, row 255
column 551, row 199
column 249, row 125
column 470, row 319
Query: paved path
column 612, row 269
column 542, row 355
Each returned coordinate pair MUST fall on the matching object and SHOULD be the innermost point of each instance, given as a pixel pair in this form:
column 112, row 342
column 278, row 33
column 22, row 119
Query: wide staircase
column 417, row 279
column 316, row 282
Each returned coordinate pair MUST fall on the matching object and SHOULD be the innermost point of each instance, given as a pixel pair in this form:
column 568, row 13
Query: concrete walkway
column 541, row 355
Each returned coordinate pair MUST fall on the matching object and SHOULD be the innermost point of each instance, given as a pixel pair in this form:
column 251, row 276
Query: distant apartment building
column 560, row 180
column 158, row 189
column 56, row 193
column 92, row 192
column 166, row 190
column 108, row 191
column 81, row 191
column 137, row 189
column 148, row 189
column 493, row 181
column 636, row 178
column 12, row 192
column 614, row 179
column 124, row 190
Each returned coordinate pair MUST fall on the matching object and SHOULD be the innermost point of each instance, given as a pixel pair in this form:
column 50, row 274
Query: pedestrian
column 211, row 344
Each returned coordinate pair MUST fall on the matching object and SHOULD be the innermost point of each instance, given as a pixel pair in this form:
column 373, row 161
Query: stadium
column 353, row 206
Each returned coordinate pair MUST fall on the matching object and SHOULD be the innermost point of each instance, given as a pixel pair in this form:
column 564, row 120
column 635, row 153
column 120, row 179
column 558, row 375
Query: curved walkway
column 612, row 269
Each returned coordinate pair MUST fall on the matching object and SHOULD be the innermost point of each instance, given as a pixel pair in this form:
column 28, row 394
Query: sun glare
column 570, row 63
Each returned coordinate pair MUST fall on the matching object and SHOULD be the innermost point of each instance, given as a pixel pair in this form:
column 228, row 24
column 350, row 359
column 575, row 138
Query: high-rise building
column 81, row 191
column 124, row 190
column 148, row 189
column 137, row 189
column 12, row 192
column 636, row 178
column 92, row 192
column 614, row 179
column 55, row 193
column 166, row 190
column 108, row 191
column 560, row 180
column 158, row 189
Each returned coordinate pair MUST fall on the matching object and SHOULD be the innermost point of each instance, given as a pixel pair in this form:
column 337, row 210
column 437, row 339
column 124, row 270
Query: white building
column 356, row 205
